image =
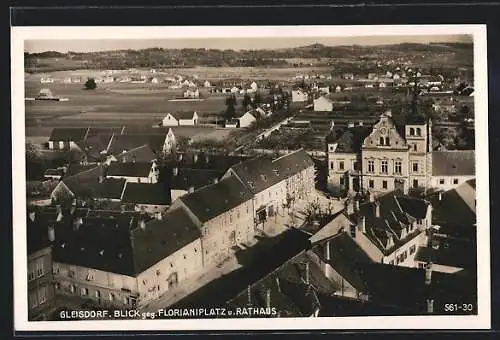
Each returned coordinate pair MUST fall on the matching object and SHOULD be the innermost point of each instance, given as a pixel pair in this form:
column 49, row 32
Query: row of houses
column 129, row 258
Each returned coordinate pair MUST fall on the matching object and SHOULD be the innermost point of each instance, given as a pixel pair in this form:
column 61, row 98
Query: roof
column 98, row 131
column 216, row 199
column 129, row 169
column 453, row 252
column 453, row 163
column 146, row 193
column 397, row 213
column 93, row 146
column 131, row 141
column 114, row 242
column 54, row 172
column 68, row 134
column 74, row 169
column 351, row 140
column 183, row 115
column 142, row 153
column 37, row 235
column 205, row 160
column 345, row 255
column 193, row 178
column 261, row 173
column 162, row 238
column 451, row 210
column 333, row 227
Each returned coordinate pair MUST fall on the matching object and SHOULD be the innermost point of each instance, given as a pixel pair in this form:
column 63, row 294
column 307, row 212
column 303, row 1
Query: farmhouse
column 452, row 168
column 323, row 104
column 180, row 119
column 246, row 120
column 192, row 93
column 146, row 197
column 125, row 259
column 66, row 138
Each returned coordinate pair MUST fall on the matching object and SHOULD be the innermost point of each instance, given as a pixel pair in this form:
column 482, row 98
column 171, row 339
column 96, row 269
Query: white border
column 20, row 34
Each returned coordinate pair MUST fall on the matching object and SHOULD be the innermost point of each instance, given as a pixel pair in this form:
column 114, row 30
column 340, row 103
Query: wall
column 135, row 179
column 322, row 104
column 170, row 121
column 113, row 288
column 61, row 191
column 439, row 268
column 219, row 234
column 246, row 120
column 170, row 272
column 409, row 261
column 448, row 184
column 175, row 193
column 335, row 173
column 367, row 246
column 40, row 289
column 377, row 155
column 150, row 208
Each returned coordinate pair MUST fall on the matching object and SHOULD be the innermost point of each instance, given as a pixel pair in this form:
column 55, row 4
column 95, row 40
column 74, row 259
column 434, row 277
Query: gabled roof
column 454, row 163
column 216, row 199
column 74, row 169
column 92, row 146
column 208, row 161
column 451, row 210
column 351, row 140
column 114, row 242
column 261, row 173
column 140, row 154
column 98, row 131
column 129, row 169
column 183, row 115
column 193, row 178
column 84, row 182
column 131, row 141
column 146, row 193
column 68, row 134
column 453, row 252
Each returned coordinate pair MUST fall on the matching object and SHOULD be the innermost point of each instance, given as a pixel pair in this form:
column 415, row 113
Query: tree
column 33, row 152
column 246, row 100
column 90, row 84
column 257, row 99
column 230, row 110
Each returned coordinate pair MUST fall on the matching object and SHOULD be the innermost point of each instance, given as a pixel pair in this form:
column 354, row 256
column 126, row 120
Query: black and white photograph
column 282, row 178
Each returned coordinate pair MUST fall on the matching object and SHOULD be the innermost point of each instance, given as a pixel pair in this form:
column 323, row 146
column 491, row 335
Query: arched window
column 412, row 131
column 386, row 140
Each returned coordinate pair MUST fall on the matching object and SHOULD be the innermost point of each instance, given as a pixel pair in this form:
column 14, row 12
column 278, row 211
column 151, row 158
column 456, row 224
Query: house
column 54, row 174
column 154, row 80
column 299, row 96
column 135, row 172
column 46, row 80
column 159, row 143
column 207, row 84
column 275, row 184
column 246, row 120
column 66, row 138
column 40, row 288
column 452, row 168
column 223, row 213
column 180, row 119
column 86, row 184
column 124, row 259
column 254, row 86
column 141, row 154
column 146, row 197
column 348, row 76
column 186, row 180
column 192, row 93
column 94, row 148
column 323, row 104
column 338, row 88
column 324, row 88
column 391, row 227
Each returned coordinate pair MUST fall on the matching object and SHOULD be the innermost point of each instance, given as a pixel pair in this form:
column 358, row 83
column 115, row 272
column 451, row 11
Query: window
column 384, row 167
column 353, row 231
column 111, row 297
column 381, row 141
column 441, row 181
column 90, row 276
column 419, row 132
column 355, row 165
column 412, row 249
column 42, row 295
column 455, row 180
column 341, row 165
column 384, row 184
column 84, row 291
column 371, row 166
column 414, row 166
column 414, row 147
column 412, row 131
column 97, row 294
column 415, row 183
column 331, row 165
column 185, row 257
column 371, row 183
column 397, row 168
column 419, row 221
column 387, row 141
column 195, row 250
column 158, row 272
column 341, row 180
column 391, row 262
column 331, row 147
column 39, row 269
column 72, row 288
column 31, row 275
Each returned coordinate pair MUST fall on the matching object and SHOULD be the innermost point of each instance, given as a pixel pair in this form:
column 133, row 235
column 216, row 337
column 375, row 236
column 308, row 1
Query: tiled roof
column 140, row 154
column 193, row 178
column 131, row 141
column 37, row 236
column 129, row 169
column 114, row 242
column 92, row 146
column 453, row 163
column 99, row 131
column 452, row 252
column 183, row 115
column 54, row 172
column 146, row 193
column 214, row 200
column 261, row 173
column 451, row 210
column 204, row 160
column 68, row 134
column 84, row 182
column 74, row 169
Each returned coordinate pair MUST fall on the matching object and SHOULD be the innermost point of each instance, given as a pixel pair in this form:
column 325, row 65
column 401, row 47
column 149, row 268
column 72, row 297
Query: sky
column 86, row 45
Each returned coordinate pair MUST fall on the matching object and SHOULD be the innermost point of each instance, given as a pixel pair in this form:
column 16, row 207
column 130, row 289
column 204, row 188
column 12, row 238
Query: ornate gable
column 385, row 135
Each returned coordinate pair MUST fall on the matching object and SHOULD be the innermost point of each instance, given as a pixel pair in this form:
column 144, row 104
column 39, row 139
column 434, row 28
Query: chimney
column 371, row 197
column 278, row 284
column 52, row 233
column 350, row 207
column 360, row 123
column 268, row 298
column 350, row 125
column 191, row 190
column 377, row 209
column 249, row 295
column 73, row 202
column 356, row 205
column 32, row 216
column 195, row 157
column 307, row 273
column 327, row 250
column 207, row 158
column 100, row 179
column 428, row 274
column 124, row 159
column 133, row 159
column 440, row 196
column 430, row 306
column 180, row 157
column 159, row 216
column 175, row 171
column 59, row 213
column 216, row 180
